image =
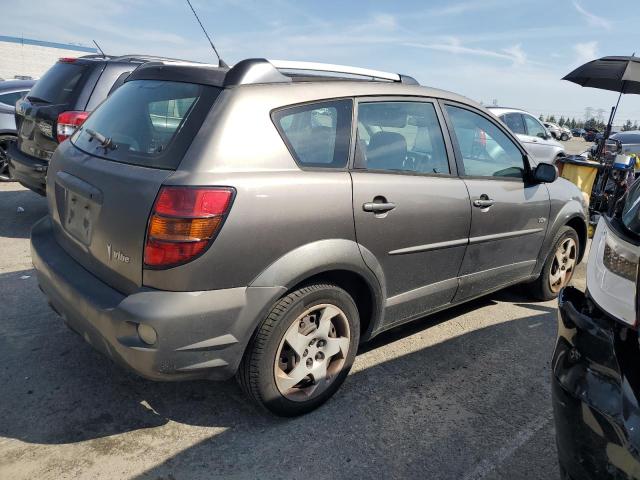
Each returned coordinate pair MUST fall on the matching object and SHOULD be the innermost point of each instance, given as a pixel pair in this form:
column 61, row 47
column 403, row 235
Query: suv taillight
column 68, row 122
column 183, row 223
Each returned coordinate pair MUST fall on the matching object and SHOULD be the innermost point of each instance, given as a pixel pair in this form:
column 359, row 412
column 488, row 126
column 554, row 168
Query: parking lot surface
column 464, row 394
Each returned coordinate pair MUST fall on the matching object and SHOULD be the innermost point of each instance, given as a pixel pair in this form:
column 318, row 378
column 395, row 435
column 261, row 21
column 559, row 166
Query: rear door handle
column 378, row 207
column 483, row 202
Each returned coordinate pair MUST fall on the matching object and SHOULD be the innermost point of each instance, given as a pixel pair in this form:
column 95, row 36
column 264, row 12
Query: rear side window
column 317, row 134
column 12, row 97
column 514, row 122
column 401, row 137
column 149, row 123
column 61, row 83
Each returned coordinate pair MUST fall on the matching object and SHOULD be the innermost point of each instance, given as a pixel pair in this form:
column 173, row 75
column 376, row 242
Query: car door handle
column 483, row 202
column 378, row 207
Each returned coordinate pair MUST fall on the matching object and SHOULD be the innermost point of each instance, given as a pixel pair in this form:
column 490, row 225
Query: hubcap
column 563, row 264
column 312, row 352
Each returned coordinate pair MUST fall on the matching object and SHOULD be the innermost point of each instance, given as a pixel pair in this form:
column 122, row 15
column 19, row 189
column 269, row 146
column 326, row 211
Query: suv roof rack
column 134, row 57
column 260, row 70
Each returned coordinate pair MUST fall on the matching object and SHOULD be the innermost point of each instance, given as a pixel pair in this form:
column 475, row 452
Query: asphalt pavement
column 464, row 394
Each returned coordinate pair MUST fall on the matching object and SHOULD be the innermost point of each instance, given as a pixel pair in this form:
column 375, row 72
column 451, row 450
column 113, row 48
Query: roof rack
column 260, row 70
column 134, row 57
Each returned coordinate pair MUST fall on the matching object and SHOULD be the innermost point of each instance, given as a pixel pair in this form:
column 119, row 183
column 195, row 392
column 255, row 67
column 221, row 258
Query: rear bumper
column 200, row 334
column 31, row 172
column 594, row 384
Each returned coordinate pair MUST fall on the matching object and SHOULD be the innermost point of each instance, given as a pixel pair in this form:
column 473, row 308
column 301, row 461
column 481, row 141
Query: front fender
column 567, row 203
column 325, row 256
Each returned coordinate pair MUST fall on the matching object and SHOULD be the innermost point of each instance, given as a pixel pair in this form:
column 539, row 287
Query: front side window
column 401, row 136
column 534, row 127
column 317, row 134
column 486, row 150
column 514, row 122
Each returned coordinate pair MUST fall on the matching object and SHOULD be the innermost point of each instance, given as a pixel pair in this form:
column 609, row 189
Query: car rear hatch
column 59, row 90
column 103, row 183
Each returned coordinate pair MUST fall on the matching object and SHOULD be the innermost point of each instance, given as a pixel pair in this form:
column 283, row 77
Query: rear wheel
column 564, row 137
column 4, row 160
column 302, row 351
column 559, row 266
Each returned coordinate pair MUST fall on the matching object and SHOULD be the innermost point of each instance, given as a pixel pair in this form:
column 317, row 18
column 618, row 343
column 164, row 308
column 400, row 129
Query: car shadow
column 415, row 413
column 19, row 210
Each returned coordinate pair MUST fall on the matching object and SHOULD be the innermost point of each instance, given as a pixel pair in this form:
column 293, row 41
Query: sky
column 514, row 52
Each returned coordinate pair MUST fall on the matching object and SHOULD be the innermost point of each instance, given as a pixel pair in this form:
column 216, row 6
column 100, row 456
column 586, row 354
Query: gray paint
column 432, row 251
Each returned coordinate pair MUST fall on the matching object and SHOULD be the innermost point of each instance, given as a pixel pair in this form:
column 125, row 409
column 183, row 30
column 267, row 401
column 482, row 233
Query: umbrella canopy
column 620, row 74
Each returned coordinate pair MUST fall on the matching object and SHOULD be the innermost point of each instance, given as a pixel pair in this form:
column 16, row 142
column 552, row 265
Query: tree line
column 590, row 123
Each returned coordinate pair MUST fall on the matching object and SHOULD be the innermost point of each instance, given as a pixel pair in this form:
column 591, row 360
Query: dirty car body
column 596, row 378
column 385, row 191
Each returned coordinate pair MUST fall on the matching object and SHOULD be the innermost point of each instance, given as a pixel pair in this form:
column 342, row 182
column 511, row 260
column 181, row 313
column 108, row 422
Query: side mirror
column 545, row 173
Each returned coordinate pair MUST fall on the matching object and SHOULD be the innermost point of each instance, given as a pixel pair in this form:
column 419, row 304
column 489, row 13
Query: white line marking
column 488, row 465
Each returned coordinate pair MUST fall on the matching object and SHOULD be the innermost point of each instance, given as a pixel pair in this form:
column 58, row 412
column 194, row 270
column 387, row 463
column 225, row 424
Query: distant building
column 25, row 57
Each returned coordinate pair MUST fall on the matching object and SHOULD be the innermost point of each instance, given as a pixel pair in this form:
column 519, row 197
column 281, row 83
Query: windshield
column 148, row 123
column 631, row 210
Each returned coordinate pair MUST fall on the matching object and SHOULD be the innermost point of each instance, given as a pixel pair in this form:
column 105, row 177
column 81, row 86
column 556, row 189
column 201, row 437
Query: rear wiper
column 37, row 99
column 105, row 142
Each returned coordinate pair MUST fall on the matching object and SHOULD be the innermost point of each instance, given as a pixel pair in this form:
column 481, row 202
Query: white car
column 533, row 134
column 558, row 132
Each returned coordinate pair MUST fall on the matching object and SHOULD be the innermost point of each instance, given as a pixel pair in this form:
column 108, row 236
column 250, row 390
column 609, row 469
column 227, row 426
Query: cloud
column 585, row 52
column 592, row 19
column 514, row 54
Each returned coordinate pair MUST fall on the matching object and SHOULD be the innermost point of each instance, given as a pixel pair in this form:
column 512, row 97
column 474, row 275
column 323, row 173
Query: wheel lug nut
column 309, row 362
column 319, row 356
column 305, row 353
column 321, row 343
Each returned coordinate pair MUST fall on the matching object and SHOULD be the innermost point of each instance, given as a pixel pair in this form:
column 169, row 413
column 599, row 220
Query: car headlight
column 612, row 273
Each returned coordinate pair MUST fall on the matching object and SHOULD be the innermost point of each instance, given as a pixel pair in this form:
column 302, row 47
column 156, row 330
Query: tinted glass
column 149, row 123
column 627, row 137
column 534, row 127
column 11, row 98
column 317, row 134
column 401, row 136
column 486, row 150
column 514, row 122
column 59, row 84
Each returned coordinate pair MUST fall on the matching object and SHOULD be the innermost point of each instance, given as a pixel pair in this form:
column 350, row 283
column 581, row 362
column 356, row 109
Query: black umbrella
column 620, row 74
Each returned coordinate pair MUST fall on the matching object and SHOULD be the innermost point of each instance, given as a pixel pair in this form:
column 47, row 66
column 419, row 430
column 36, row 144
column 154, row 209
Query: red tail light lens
column 183, row 223
column 68, row 122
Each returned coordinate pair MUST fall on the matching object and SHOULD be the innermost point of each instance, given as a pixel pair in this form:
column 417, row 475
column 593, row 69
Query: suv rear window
column 149, row 123
column 60, row 84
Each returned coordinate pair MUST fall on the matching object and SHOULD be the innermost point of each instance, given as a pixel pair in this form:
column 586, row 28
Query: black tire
column 564, row 137
column 541, row 287
column 257, row 371
column 5, row 176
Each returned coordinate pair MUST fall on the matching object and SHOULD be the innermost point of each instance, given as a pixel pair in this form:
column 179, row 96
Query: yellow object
column 583, row 176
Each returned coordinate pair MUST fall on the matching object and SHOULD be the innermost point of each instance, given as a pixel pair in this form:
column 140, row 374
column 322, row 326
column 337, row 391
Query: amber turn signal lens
column 182, row 229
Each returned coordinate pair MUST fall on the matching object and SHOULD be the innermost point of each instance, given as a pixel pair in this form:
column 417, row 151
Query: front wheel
column 303, row 351
column 564, row 137
column 4, row 159
column 559, row 266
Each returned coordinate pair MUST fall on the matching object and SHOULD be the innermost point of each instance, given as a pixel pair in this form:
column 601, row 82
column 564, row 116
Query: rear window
column 149, row 123
column 60, row 84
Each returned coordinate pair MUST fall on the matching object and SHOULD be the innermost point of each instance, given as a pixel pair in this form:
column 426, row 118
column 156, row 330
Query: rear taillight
column 183, row 223
column 68, row 122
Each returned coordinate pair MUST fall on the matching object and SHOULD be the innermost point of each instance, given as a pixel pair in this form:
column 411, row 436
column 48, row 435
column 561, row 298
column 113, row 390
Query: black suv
column 57, row 104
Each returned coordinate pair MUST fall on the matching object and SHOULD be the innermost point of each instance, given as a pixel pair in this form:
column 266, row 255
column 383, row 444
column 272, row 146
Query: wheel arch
column 337, row 261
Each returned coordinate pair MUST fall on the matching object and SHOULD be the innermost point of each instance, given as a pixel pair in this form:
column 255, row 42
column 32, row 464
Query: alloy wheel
column 563, row 264
column 4, row 160
column 312, row 352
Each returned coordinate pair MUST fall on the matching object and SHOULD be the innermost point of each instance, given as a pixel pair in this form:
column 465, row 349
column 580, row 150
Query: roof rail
column 133, row 57
column 260, row 70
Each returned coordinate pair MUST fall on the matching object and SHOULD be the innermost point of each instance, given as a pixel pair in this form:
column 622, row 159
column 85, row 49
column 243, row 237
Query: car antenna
column 99, row 49
column 221, row 63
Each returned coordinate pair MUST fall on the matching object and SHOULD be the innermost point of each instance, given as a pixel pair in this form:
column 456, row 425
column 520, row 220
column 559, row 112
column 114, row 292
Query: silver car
column 532, row 133
column 10, row 92
column 264, row 220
